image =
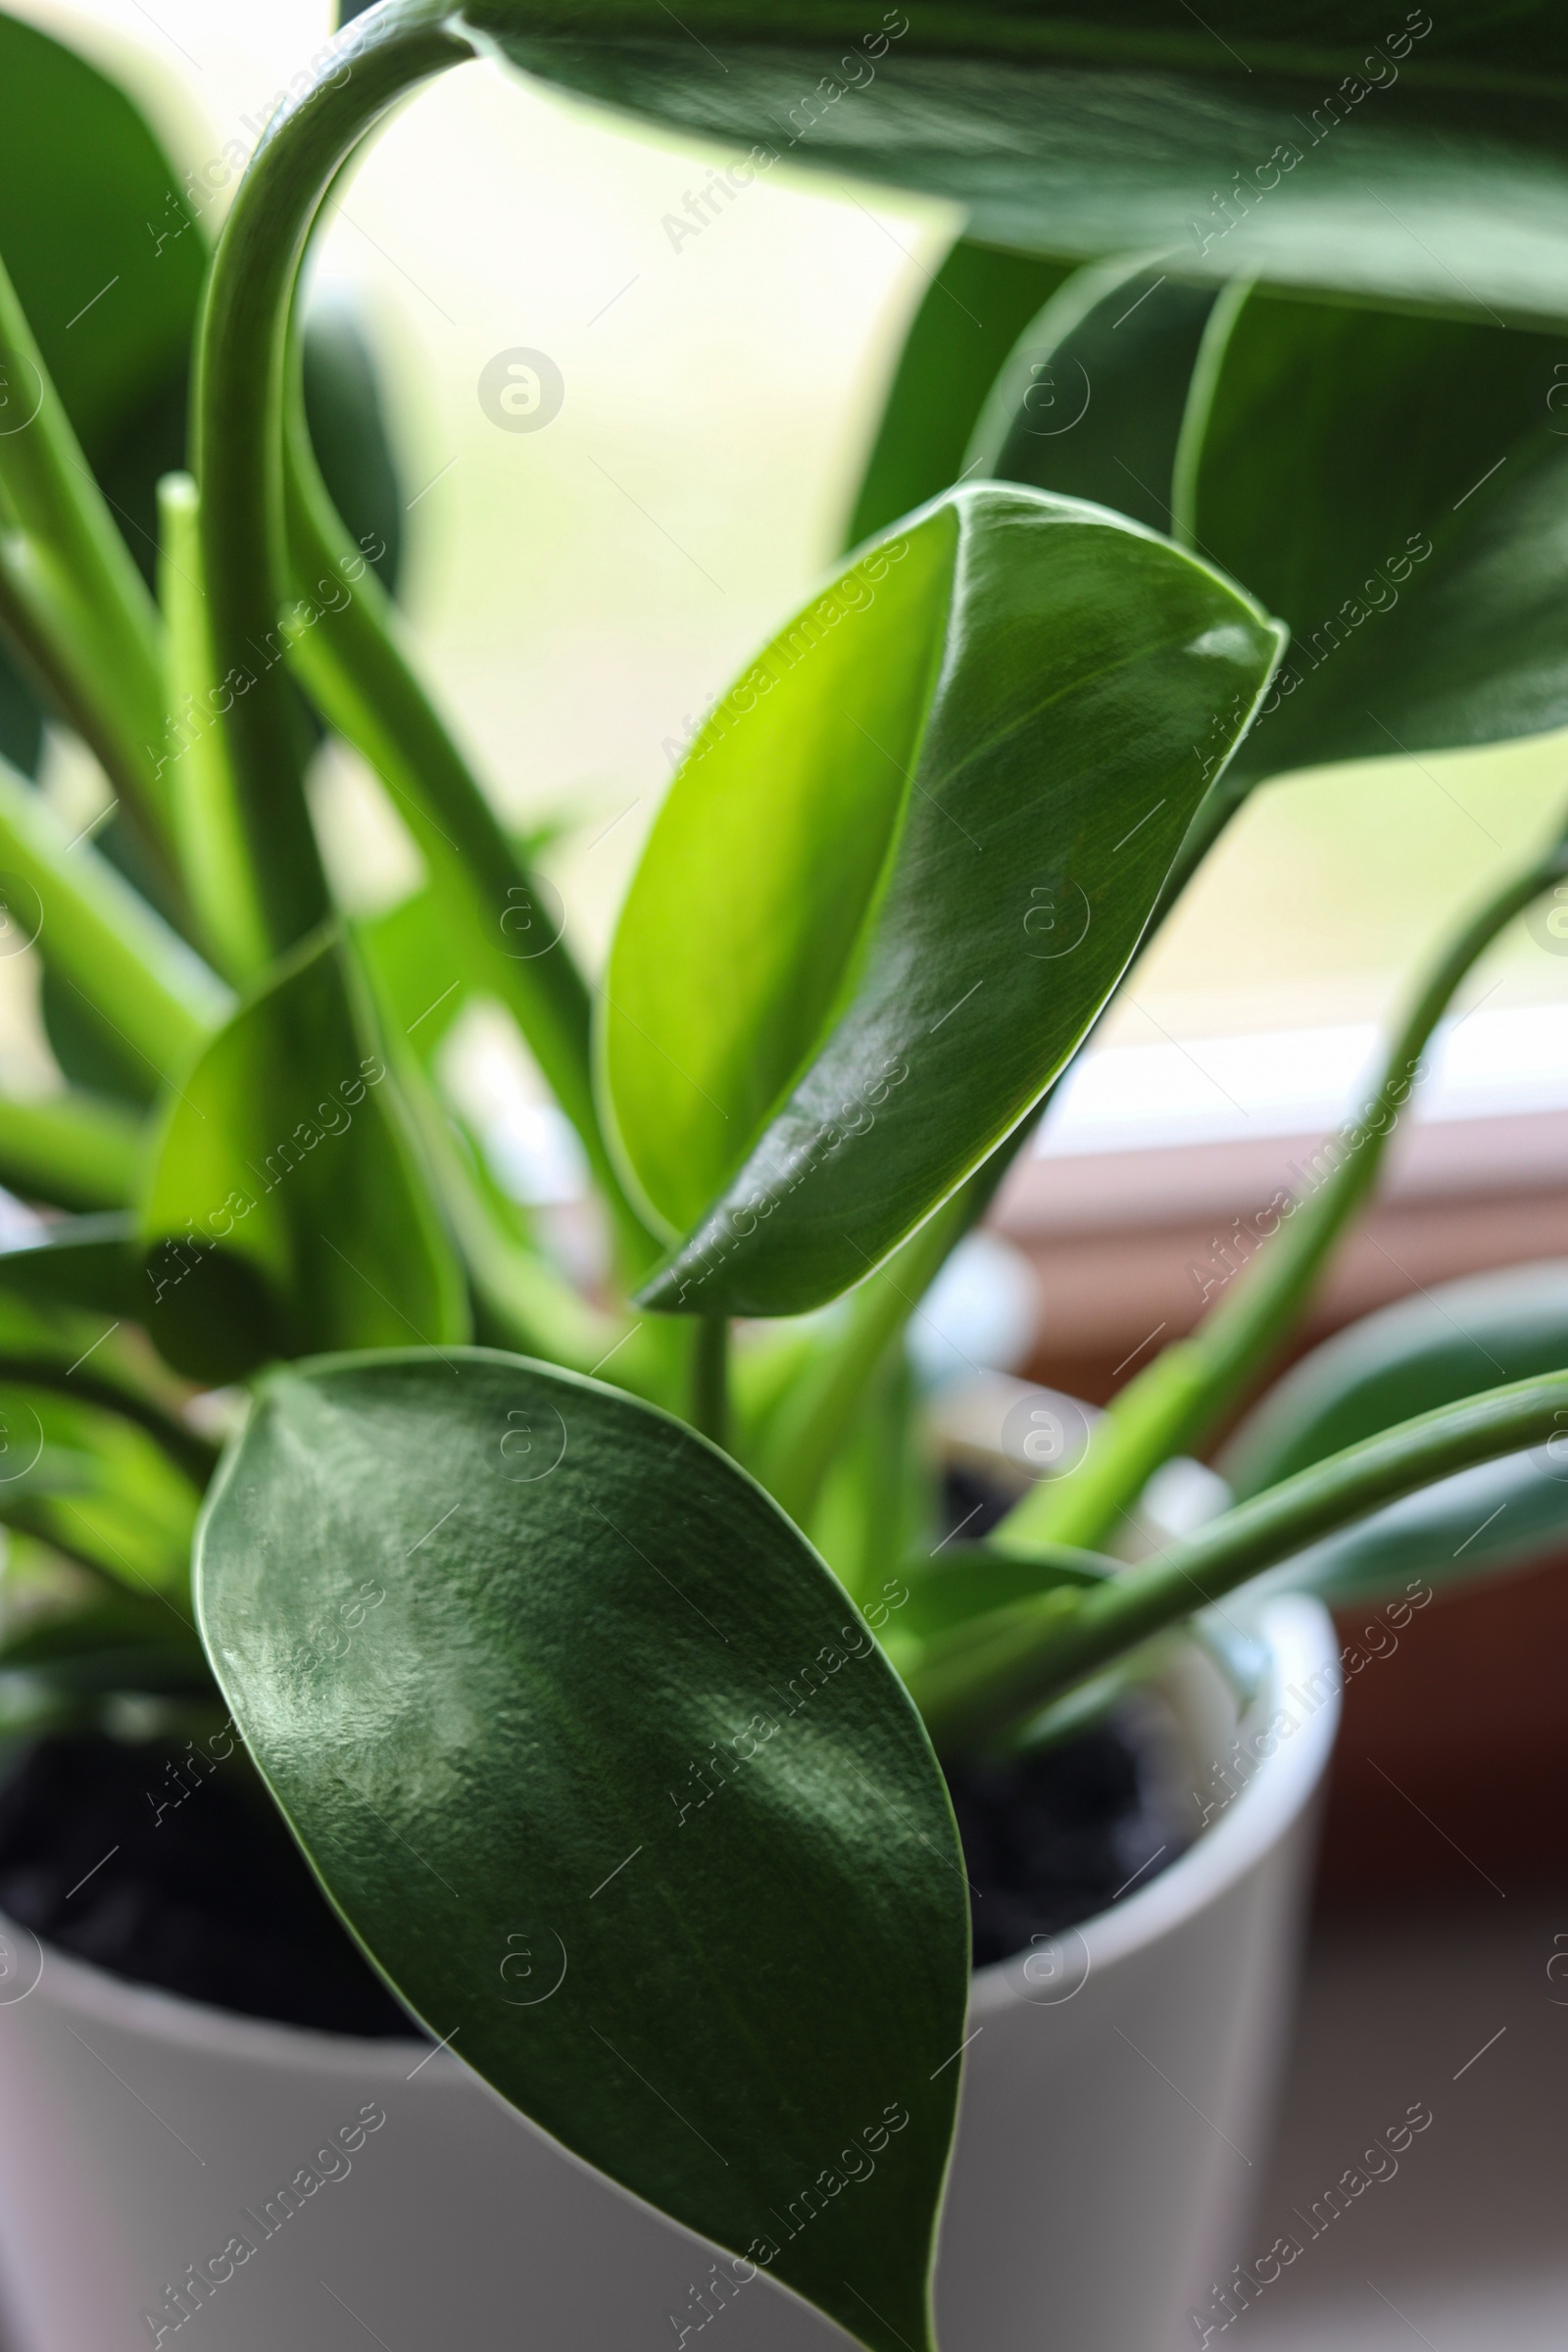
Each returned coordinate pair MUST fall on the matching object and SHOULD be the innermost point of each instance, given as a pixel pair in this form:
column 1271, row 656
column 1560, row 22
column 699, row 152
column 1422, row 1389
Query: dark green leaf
column 285, row 1209
column 1406, row 1360
column 1091, row 399
column 507, row 1648
column 91, row 1051
column 91, row 211
column 1419, row 156
column 1415, row 541
column 903, row 867
column 977, row 304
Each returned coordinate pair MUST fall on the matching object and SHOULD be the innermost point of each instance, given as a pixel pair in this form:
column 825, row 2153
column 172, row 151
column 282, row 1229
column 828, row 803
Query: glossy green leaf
column 285, row 1209
column 977, row 303
column 905, row 863
column 686, row 1887
column 1405, row 1359
column 1417, row 156
column 1415, row 544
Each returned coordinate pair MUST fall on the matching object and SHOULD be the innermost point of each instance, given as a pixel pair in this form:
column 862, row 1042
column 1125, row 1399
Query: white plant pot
column 1116, row 2106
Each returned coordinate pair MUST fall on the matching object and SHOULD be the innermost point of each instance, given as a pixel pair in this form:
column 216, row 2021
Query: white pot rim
column 1299, row 1637
column 1302, row 1644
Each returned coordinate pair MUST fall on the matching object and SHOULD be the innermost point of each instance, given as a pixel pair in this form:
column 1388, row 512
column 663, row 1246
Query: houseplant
column 423, row 1570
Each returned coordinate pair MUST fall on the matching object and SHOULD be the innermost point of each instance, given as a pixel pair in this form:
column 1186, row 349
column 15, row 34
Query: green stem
column 817, row 1413
column 75, row 1150
column 362, row 679
column 241, row 369
column 711, row 1378
column 193, row 1454
column 102, row 937
column 219, row 884
column 520, row 1301
column 1178, row 1401
column 972, row 1690
column 71, row 596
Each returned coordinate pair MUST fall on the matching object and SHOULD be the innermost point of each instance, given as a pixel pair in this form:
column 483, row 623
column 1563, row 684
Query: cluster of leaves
column 899, row 877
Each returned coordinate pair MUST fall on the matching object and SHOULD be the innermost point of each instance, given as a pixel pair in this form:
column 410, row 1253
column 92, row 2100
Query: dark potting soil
column 208, row 1896
column 1050, row 1838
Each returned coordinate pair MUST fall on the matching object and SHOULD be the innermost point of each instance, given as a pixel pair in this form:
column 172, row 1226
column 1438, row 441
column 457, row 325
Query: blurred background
column 581, row 592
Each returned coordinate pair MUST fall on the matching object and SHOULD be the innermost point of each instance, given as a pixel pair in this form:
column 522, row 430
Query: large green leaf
column 1405, row 1359
column 607, row 1776
column 1413, row 544
column 1396, row 488
column 285, row 1210
column 1431, row 156
column 903, row 865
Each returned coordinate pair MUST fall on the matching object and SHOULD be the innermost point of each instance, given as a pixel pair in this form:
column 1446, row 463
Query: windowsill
column 1140, row 1194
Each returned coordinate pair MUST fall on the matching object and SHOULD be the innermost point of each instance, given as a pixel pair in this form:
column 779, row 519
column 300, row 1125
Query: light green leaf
column 520, row 1300
column 286, row 1209
column 899, row 875
column 965, row 1582
column 610, row 1780
column 80, row 1355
